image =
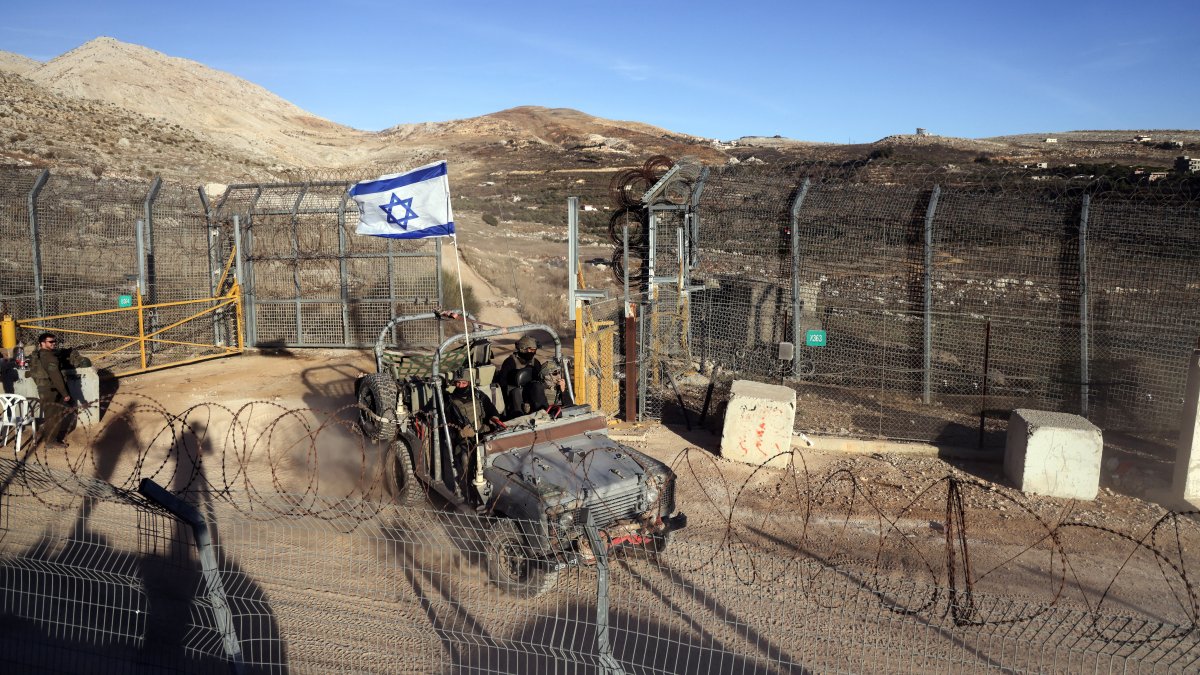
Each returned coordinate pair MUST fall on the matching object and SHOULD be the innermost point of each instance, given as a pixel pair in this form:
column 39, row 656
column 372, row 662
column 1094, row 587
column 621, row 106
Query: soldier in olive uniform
column 470, row 419
column 45, row 367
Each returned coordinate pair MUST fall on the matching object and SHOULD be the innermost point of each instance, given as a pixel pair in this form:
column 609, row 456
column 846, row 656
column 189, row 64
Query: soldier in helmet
column 470, row 419
column 519, row 378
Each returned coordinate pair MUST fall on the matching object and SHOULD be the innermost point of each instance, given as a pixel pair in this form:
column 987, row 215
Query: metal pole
column 437, row 266
column 140, row 252
column 151, row 276
column 694, row 251
column 572, row 253
column 245, row 282
column 631, row 353
column 35, row 239
column 343, row 271
column 794, row 222
column 1084, row 375
column 213, row 256
column 987, row 350
column 928, row 365
column 641, row 349
column 296, row 263
column 237, row 259
column 208, row 564
column 140, row 248
column 251, row 306
column 608, row 664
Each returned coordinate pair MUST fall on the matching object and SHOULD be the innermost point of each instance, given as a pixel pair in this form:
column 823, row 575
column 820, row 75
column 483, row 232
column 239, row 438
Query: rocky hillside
column 112, row 108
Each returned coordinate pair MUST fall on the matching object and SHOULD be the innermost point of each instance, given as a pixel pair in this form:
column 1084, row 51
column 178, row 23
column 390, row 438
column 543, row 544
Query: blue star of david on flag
column 410, row 205
column 409, row 214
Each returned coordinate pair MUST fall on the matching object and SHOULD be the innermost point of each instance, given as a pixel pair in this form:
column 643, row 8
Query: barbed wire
column 275, row 462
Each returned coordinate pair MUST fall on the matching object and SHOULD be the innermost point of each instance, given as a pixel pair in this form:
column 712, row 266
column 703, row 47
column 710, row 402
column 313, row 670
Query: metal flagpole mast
column 462, row 298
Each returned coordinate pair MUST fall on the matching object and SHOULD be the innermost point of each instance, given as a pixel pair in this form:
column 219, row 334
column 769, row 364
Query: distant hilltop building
column 1049, row 140
column 922, row 131
column 1141, row 139
column 1187, row 164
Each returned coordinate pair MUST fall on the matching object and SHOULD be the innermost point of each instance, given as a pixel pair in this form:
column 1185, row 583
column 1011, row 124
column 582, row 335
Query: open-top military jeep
column 536, row 482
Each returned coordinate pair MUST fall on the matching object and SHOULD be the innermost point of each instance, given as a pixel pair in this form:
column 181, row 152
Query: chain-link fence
column 924, row 304
column 82, row 246
column 312, row 281
column 77, row 245
column 94, row 578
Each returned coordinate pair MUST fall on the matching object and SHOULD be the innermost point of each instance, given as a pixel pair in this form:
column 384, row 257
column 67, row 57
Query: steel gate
column 310, row 281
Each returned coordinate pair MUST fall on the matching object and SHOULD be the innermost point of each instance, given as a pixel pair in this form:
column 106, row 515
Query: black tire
column 377, row 407
column 511, row 568
column 399, row 478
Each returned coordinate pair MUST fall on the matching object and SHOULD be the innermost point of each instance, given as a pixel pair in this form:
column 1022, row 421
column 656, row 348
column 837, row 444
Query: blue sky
column 819, row 71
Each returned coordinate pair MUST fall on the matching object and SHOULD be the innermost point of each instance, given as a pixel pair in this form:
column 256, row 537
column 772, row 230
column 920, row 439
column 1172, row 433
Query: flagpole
column 462, row 297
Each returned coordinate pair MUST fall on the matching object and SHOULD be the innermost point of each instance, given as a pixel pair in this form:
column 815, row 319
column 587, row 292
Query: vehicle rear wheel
column 398, row 475
column 510, row 566
column 377, row 407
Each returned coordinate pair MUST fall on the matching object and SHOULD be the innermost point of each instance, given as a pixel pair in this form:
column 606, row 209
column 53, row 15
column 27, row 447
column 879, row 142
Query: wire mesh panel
column 1143, row 264
column 86, row 255
column 313, row 281
column 939, row 300
column 108, row 583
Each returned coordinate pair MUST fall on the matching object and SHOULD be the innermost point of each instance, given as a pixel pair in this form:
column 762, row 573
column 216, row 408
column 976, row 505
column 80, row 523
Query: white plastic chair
column 15, row 415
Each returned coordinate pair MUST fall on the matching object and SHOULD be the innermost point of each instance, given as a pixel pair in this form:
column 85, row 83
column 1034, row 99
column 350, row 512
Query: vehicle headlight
column 652, row 493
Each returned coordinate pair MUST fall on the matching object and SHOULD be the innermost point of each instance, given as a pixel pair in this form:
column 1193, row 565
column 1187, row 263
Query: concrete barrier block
column 1054, row 454
column 1185, row 478
column 82, row 383
column 758, row 423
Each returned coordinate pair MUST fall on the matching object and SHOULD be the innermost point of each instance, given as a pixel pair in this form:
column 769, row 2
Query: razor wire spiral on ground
column 775, row 525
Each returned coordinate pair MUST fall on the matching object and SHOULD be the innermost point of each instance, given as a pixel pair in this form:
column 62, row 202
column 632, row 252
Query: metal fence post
column 608, row 664
column 572, row 254
column 208, row 563
column 214, row 263
column 343, row 271
column 35, row 241
column 928, row 350
column 296, row 264
column 794, row 222
column 151, row 267
column 1084, row 376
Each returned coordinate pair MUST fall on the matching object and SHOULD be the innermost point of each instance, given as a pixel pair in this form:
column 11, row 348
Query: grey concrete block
column 1052, row 453
column 758, row 423
column 83, row 384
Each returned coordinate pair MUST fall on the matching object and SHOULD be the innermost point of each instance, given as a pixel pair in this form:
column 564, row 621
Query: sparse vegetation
column 450, row 293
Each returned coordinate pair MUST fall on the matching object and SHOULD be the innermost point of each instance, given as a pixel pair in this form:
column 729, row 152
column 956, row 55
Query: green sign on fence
column 124, row 301
column 814, row 338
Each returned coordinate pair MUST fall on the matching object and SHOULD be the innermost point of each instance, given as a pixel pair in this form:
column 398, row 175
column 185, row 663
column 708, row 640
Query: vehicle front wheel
column 377, row 407
column 398, row 475
column 510, row 566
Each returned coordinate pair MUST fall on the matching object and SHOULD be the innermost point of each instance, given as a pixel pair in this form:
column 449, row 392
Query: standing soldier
column 45, row 367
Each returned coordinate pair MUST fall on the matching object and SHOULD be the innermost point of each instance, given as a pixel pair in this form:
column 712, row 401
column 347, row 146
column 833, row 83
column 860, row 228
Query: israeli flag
column 411, row 205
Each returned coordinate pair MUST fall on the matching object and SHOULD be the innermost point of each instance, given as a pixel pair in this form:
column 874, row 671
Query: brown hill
column 15, row 63
column 114, row 107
